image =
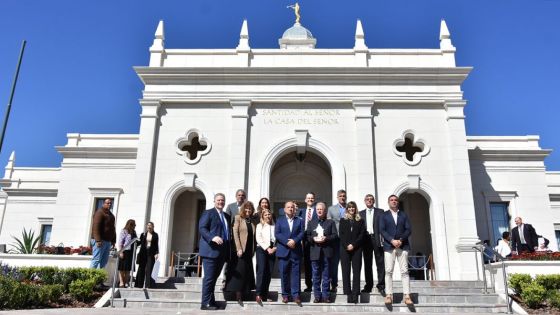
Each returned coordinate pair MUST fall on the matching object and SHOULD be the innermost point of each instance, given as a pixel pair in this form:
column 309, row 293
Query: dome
column 297, row 37
column 297, row 32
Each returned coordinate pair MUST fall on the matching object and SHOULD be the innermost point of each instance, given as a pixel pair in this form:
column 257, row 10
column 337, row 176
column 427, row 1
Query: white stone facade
column 280, row 122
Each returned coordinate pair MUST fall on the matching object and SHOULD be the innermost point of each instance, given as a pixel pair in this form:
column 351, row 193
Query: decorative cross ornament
column 410, row 148
column 192, row 146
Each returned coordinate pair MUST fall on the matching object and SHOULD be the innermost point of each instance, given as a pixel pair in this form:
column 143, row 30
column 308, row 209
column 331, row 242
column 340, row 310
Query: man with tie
column 373, row 246
column 320, row 234
column 289, row 233
column 335, row 213
column 308, row 214
column 214, row 248
column 524, row 237
column 395, row 228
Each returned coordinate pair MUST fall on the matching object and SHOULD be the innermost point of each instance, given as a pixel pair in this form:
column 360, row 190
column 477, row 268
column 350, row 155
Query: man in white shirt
column 308, row 214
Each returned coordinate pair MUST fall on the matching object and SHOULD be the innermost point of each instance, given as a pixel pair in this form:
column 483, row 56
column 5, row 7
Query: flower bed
column 60, row 250
column 32, row 287
column 545, row 256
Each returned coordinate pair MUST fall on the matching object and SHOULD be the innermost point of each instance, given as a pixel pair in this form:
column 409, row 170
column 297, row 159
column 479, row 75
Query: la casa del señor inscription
column 301, row 116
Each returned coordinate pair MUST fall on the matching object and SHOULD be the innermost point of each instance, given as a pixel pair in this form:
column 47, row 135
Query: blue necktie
column 224, row 227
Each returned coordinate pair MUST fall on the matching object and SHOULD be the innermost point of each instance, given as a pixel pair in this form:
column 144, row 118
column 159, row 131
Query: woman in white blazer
column 266, row 254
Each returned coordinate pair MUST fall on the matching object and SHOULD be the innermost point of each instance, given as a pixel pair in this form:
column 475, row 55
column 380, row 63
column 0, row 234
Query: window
column 46, row 230
column 500, row 220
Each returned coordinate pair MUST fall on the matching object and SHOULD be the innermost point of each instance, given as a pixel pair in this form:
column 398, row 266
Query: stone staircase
column 183, row 294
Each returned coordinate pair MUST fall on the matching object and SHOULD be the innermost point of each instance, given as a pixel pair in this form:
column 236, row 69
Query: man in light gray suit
column 335, row 213
column 233, row 208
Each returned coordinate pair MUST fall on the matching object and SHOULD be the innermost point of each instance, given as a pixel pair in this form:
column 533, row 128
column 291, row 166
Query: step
column 413, row 283
column 396, row 288
column 319, row 307
column 427, row 297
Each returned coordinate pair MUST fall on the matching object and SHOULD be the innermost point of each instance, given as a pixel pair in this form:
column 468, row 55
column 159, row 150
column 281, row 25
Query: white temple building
column 280, row 122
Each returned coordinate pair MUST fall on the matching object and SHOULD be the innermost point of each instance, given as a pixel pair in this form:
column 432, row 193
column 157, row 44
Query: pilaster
column 238, row 144
column 145, row 160
column 365, row 161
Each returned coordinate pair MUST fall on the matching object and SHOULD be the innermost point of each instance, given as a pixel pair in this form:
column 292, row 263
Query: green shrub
column 518, row 280
column 49, row 293
column 549, row 282
column 82, row 290
column 7, row 287
column 533, row 294
column 55, row 275
column 553, row 298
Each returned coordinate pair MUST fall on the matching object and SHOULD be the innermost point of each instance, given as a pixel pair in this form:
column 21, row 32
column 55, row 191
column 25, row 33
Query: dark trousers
column 144, row 273
column 351, row 261
column 525, row 248
column 321, row 278
column 334, row 263
column 212, row 268
column 289, row 275
column 307, row 265
column 370, row 249
column 265, row 265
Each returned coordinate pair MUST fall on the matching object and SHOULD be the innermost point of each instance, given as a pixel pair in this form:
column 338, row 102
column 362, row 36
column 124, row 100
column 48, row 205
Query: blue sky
column 77, row 71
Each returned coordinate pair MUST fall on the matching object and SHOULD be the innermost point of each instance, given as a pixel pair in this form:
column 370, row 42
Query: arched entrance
column 186, row 212
column 418, row 210
column 294, row 175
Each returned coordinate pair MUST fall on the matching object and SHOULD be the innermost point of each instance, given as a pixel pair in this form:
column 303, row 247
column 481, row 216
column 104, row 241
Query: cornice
column 302, row 76
column 98, row 152
column 29, row 192
column 509, row 154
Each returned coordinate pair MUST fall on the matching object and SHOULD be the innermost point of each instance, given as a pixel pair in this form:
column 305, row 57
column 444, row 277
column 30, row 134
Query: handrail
column 118, row 254
column 424, row 266
column 481, row 248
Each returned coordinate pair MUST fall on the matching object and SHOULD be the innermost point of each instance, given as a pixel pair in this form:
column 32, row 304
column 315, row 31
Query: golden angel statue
column 296, row 11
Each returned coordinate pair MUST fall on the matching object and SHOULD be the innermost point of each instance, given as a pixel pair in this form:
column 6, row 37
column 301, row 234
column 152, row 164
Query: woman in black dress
column 352, row 232
column 125, row 257
column 242, row 277
column 149, row 253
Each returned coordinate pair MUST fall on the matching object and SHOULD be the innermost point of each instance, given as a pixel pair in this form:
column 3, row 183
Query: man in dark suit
column 215, row 234
column 307, row 214
column 289, row 233
column 373, row 246
column 524, row 237
column 320, row 234
column 395, row 228
column 335, row 213
column 233, row 208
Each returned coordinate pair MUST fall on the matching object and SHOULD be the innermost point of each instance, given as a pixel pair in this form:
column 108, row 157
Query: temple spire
column 359, row 43
column 157, row 51
column 244, row 37
column 445, row 37
column 9, row 169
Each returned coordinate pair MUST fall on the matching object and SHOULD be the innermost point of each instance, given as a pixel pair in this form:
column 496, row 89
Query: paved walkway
column 126, row 311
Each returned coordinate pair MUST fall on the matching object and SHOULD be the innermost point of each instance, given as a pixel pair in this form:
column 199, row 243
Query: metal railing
column 115, row 274
column 421, row 262
column 186, row 262
column 496, row 257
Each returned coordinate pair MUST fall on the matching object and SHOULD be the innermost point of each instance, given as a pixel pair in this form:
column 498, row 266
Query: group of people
column 104, row 238
column 524, row 238
column 318, row 236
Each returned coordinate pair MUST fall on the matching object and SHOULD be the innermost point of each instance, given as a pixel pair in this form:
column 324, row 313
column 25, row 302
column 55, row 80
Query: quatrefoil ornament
column 410, row 148
column 193, row 146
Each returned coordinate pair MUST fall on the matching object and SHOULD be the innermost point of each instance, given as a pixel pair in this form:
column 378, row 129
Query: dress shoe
column 381, row 291
column 350, row 299
column 238, row 297
column 365, row 290
column 258, row 299
column 284, row 299
column 388, row 299
column 408, row 300
column 308, row 289
column 326, row 300
column 297, row 300
column 208, row 308
column 333, row 289
column 317, row 300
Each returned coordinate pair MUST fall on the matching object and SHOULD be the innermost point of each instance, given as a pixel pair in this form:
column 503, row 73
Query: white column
column 145, row 161
column 238, row 146
column 365, row 163
column 465, row 220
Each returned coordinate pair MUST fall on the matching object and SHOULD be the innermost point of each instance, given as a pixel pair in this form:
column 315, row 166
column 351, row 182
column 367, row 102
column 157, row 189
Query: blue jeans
column 100, row 254
column 321, row 278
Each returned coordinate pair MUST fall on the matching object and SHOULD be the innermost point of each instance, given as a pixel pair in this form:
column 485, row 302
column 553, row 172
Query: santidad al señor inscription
column 301, row 116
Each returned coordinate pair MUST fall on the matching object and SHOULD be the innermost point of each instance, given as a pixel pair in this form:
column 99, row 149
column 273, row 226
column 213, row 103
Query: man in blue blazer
column 395, row 228
column 214, row 248
column 308, row 214
column 289, row 233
